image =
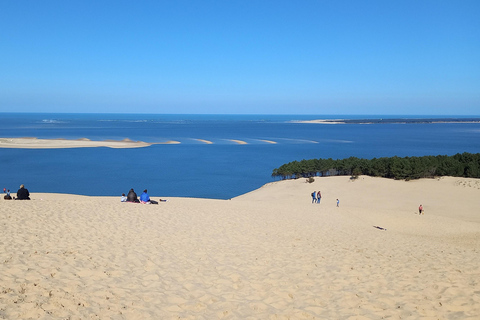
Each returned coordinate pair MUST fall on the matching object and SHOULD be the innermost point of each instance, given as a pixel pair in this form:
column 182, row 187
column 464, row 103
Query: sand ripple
column 97, row 258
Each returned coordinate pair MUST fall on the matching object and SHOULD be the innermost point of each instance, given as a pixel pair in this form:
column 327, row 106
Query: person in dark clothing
column 22, row 193
column 132, row 196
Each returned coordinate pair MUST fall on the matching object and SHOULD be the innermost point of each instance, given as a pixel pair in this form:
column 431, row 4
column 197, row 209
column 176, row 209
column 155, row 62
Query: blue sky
column 270, row 57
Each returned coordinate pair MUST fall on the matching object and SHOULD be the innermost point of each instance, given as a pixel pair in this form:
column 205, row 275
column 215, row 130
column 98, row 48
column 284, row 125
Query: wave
column 336, row 141
column 118, row 120
column 53, row 121
column 291, row 140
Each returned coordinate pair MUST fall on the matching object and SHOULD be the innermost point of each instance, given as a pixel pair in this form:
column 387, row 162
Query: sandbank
column 269, row 141
column 267, row 254
column 321, row 121
column 35, row 143
column 238, row 141
column 205, row 141
column 391, row 120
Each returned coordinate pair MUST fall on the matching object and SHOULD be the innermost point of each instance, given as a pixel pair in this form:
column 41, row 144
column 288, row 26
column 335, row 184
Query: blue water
column 221, row 170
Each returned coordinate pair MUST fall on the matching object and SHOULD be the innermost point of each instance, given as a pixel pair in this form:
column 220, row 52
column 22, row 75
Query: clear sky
column 229, row 56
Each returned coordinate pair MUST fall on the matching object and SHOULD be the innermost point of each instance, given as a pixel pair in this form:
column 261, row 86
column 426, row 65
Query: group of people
column 316, row 197
column 22, row 194
column 144, row 198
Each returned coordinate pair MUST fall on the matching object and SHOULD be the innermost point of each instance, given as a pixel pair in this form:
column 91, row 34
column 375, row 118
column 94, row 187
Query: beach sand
column 268, row 254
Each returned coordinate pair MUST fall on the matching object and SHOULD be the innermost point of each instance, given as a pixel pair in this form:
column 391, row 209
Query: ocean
column 192, row 168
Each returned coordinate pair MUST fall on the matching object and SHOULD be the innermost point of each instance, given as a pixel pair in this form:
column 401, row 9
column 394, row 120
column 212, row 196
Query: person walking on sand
column 319, row 197
column 338, row 203
column 420, row 210
column 314, row 194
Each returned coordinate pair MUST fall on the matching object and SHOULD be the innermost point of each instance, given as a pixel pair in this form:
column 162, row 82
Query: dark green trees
column 460, row 165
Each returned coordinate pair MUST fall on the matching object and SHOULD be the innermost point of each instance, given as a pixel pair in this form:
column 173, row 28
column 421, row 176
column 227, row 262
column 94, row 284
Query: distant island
column 392, row 120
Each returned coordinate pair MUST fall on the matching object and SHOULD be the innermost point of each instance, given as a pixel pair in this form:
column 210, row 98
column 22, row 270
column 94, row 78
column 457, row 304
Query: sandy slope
column 269, row 254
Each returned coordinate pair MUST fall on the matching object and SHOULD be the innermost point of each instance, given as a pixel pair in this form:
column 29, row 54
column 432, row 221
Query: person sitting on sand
column 132, row 196
column 8, row 196
column 145, row 198
column 123, row 198
column 22, row 193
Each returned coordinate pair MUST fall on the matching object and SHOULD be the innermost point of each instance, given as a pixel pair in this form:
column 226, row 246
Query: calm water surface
column 223, row 169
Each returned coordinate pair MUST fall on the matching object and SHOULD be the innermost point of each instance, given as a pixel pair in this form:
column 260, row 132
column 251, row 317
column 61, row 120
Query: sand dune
column 268, row 254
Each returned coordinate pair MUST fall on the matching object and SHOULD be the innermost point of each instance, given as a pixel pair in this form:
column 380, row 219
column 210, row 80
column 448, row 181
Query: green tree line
column 460, row 165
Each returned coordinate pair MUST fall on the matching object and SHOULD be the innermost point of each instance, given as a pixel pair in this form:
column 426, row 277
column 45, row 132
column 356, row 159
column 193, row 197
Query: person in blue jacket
column 145, row 198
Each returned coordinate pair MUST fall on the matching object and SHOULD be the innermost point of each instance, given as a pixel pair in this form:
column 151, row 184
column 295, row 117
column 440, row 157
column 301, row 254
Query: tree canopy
column 460, row 165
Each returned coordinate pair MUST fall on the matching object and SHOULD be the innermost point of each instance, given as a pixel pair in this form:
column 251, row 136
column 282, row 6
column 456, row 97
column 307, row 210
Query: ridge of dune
column 270, row 253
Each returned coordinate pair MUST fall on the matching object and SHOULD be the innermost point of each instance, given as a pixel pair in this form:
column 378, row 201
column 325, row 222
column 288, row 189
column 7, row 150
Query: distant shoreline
column 391, row 121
